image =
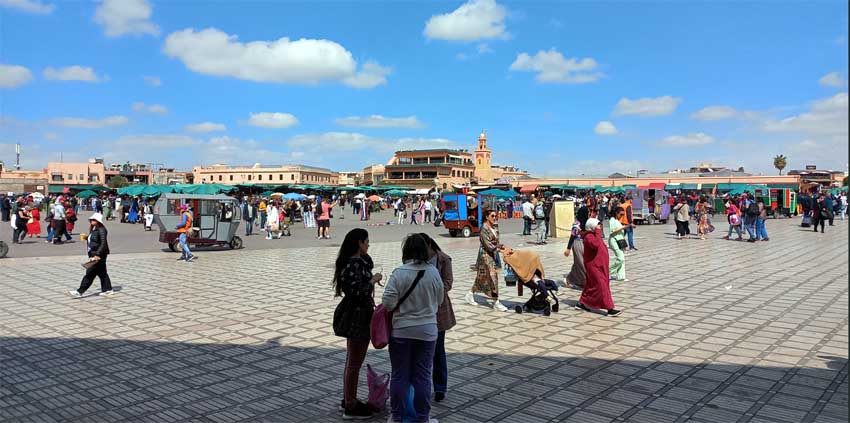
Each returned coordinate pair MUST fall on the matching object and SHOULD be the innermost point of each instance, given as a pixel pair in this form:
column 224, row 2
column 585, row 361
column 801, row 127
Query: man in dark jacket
column 5, row 208
column 96, row 266
column 249, row 213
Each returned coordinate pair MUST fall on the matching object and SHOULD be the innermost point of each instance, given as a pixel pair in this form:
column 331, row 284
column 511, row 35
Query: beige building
column 18, row 181
column 350, row 178
column 258, row 174
column 91, row 173
column 166, row 176
column 441, row 167
column 372, row 175
column 486, row 173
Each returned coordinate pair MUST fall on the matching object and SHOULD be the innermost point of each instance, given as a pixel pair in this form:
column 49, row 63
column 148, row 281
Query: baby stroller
column 544, row 297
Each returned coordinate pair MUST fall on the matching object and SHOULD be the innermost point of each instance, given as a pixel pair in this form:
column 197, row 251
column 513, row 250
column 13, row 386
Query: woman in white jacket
column 273, row 222
column 415, row 292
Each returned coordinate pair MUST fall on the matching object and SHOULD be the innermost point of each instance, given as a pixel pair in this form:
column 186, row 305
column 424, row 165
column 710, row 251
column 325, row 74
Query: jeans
column 263, row 220
column 750, row 224
column 50, row 232
column 249, row 226
column 618, row 261
column 630, row 233
column 355, row 354
column 98, row 270
column 184, row 246
column 736, row 228
column 843, row 212
column 411, row 361
column 441, row 367
column 526, row 225
column 761, row 231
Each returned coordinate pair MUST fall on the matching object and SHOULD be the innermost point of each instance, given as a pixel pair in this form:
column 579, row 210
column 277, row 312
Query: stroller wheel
column 518, row 309
column 547, row 311
column 555, row 308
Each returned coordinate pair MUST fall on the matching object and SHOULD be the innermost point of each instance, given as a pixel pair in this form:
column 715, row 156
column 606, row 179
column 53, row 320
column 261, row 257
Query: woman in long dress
column 575, row 246
column 704, row 226
column 597, row 289
column 134, row 212
column 34, row 225
column 487, row 279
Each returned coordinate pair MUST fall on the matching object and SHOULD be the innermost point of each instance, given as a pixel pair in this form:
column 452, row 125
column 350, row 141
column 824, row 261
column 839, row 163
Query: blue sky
column 562, row 88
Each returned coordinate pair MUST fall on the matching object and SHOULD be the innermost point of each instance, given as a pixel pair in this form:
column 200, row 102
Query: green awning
column 707, row 186
column 784, row 186
column 59, row 189
column 87, row 194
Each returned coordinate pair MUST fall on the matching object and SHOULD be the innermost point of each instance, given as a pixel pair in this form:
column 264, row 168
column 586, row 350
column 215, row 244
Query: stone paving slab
column 712, row 331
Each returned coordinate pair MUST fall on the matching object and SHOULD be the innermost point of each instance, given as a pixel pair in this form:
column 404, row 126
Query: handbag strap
column 409, row 290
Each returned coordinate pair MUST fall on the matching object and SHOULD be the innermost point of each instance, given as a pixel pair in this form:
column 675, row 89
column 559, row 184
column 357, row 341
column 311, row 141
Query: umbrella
column 374, row 198
column 294, row 196
column 311, row 196
column 276, row 195
column 361, row 195
column 87, row 194
column 498, row 193
column 396, row 193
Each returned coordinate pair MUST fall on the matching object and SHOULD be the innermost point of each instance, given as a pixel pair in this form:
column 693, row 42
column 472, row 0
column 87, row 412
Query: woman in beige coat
column 445, row 319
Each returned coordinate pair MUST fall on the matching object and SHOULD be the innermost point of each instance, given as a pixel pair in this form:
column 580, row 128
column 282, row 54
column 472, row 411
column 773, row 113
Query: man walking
column 752, row 212
column 428, row 208
column 249, row 213
column 628, row 221
column 401, row 208
column 183, row 229
column 527, row 216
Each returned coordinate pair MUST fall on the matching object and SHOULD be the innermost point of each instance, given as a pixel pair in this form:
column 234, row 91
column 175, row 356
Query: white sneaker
column 74, row 293
column 105, row 293
column 470, row 299
column 498, row 306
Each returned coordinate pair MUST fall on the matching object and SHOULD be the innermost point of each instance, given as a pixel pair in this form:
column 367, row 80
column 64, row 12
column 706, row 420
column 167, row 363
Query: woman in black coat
column 98, row 247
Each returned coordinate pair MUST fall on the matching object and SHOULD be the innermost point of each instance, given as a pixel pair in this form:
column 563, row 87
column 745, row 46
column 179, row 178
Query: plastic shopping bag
column 379, row 388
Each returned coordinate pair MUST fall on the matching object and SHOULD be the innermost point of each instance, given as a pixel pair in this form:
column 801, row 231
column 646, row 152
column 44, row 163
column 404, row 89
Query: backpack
column 753, row 209
column 538, row 211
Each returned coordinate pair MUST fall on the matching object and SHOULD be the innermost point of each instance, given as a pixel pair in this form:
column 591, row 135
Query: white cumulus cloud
column 714, row 113
column 150, row 108
column 647, row 107
column 833, row 79
column 352, row 141
column 378, row 121
column 552, row 66
column 125, row 17
column 30, row 6
column 474, row 20
column 827, row 116
column 71, row 122
column 304, row 61
column 153, row 81
column 71, row 73
column 690, row 140
column 272, row 120
column 206, row 127
column 605, row 128
column 13, row 76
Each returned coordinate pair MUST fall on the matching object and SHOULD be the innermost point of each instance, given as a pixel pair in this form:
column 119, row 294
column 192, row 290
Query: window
column 260, row 177
column 219, row 177
column 404, row 160
column 93, row 178
column 250, row 177
column 440, row 159
column 292, row 177
column 231, row 177
column 420, row 160
column 280, row 177
column 396, row 175
column 411, row 175
column 70, row 177
column 82, row 177
column 429, row 175
column 57, row 178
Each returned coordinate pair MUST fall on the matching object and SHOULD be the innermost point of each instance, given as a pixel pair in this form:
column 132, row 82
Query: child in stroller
column 526, row 267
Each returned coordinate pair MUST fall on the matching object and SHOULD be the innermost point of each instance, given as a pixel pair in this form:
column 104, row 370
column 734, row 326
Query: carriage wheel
column 235, row 243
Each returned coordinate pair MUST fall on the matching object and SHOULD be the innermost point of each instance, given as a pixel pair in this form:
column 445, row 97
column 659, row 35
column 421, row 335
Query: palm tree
column 780, row 162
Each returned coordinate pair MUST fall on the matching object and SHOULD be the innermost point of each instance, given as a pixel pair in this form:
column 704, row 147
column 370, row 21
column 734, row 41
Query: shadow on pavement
column 68, row 379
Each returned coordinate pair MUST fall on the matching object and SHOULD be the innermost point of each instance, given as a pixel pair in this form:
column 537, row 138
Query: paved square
column 711, row 331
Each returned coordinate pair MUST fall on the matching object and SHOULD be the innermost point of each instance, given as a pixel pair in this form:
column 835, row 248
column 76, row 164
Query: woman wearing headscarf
column 597, row 289
column 575, row 247
column 133, row 217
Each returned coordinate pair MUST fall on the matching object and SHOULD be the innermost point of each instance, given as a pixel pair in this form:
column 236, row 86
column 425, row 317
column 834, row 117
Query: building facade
column 372, row 175
column 258, row 174
column 350, row 178
column 166, row 176
column 18, row 181
column 91, row 173
column 441, row 168
column 135, row 173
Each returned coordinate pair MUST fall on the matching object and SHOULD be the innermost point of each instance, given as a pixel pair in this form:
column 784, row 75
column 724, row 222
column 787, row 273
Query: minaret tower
column 482, row 160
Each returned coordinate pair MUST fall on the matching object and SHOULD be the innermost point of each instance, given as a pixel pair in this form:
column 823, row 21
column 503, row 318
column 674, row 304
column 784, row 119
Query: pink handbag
column 382, row 325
